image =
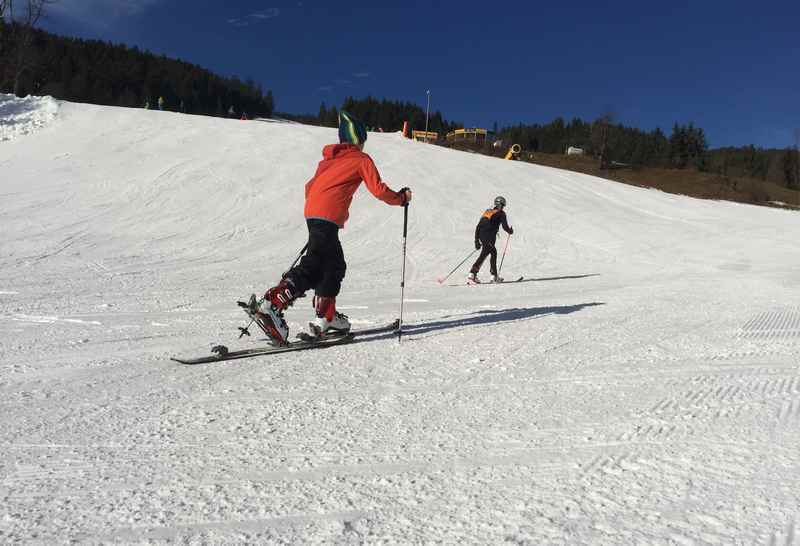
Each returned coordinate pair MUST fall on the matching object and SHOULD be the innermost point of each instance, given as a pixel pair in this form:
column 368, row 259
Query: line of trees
column 780, row 166
column 33, row 61
column 609, row 141
column 16, row 38
column 382, row 114
column 686, row 147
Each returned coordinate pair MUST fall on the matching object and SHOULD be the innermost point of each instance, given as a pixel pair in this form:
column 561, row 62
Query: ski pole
column 440, row 280
column 499, row 269
column 403, row 277
column 294, row 263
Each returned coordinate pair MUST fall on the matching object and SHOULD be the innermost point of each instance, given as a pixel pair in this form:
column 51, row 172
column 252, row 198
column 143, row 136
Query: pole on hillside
column 499, row 269
column 294, row 263
column 440, row 280
column 403, row 275
column 427, row 113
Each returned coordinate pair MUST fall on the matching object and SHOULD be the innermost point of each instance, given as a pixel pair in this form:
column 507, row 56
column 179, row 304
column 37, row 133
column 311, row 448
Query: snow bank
column 21, row 116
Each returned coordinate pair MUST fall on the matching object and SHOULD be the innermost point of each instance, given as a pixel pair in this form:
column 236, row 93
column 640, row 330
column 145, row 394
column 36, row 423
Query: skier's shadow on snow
column 489, row 316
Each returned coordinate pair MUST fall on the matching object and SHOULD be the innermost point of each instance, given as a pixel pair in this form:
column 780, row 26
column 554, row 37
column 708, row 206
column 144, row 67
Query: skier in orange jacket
column 328, row 197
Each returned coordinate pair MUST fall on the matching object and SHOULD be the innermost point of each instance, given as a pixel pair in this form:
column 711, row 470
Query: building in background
column 471, row 134
column 423, row 136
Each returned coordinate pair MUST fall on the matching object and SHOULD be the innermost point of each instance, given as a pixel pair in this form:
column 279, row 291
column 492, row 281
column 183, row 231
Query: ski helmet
column 351, row 130
column 499, row 201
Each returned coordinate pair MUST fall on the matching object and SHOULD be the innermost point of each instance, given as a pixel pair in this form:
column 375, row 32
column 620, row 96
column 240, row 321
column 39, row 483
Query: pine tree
column 333, row 117
column 791, row 168
column 269, row 104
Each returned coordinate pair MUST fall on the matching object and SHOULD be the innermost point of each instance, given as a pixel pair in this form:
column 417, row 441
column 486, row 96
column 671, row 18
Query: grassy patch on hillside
column 703, row 185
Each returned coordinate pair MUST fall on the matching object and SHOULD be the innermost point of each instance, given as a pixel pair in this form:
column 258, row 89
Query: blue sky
column 730, row 67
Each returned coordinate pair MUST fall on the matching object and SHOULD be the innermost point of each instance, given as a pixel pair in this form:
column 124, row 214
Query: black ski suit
column 485, row 236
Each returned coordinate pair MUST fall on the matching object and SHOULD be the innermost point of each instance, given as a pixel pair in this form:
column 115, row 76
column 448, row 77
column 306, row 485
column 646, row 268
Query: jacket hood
column 333, row 150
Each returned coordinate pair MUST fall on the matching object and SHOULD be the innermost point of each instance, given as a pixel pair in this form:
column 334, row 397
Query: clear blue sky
column 731, row 67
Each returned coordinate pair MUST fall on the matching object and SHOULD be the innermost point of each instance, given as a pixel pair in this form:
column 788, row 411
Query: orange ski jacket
column 330, row 192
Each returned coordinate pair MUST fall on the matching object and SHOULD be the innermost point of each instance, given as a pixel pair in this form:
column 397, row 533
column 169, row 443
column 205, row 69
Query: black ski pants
column 487, row 249
column 322, row 267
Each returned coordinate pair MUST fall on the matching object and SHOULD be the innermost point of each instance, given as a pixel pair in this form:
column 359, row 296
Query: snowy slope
column 642, row 385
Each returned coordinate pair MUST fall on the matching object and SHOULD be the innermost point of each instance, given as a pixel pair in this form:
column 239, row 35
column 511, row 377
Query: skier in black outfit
column 485, row 236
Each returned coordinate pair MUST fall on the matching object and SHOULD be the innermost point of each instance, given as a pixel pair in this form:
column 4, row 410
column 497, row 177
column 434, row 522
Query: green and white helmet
column 499, row 201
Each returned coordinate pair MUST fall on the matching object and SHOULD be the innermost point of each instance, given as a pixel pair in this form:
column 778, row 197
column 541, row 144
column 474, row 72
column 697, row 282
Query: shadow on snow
column 484, row 317
column 540, row 279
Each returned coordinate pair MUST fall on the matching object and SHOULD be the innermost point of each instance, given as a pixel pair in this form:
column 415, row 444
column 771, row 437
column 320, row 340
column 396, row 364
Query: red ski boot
column 268, row 311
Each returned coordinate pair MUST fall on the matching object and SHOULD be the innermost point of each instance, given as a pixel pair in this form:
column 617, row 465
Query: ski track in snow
column 640, row 385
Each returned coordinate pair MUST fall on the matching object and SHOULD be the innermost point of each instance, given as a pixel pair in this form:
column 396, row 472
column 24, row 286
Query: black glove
column 511, row 231
column 402, row 193
column 477, row 244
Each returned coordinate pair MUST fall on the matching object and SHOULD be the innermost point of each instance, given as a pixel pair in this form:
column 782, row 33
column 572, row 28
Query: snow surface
column 640, row 386
column 22, row 116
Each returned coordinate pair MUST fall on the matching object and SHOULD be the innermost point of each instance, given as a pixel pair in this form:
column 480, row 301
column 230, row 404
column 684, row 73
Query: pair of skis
column 498, row 282
column 305, row 342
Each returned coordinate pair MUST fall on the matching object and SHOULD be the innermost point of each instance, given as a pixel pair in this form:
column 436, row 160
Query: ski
column 508, row 282
column 520, row 279
column 221, row 352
